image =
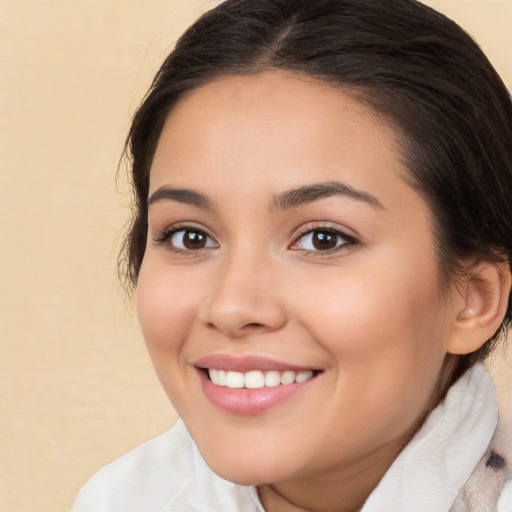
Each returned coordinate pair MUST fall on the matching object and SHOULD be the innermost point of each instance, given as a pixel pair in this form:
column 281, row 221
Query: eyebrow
column 309, row 193
column 182, row 195
column 283, row 201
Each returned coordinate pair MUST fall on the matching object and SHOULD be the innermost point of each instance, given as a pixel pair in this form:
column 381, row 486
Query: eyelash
column 166, row 235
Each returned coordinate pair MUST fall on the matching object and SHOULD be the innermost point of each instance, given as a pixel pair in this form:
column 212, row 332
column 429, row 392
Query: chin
column 245, row 472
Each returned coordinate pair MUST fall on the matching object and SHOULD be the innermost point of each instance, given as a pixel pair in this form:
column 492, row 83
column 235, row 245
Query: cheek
column 387, row 303
column 383, row 331
column 165, row 309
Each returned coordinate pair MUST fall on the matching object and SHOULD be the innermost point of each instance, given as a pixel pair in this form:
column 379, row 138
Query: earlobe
column 484, row 299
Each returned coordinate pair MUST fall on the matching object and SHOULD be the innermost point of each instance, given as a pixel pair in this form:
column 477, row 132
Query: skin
column 370, row 315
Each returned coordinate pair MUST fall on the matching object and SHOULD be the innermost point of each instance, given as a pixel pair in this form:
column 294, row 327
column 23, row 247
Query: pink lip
column 249, row 401
column 246, row 363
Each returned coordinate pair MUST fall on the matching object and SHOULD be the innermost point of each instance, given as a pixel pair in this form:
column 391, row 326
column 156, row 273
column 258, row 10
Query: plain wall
column 76, row 386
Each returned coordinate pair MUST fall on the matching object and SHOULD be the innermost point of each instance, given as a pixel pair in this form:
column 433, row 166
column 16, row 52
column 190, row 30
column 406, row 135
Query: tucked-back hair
column 451, row 112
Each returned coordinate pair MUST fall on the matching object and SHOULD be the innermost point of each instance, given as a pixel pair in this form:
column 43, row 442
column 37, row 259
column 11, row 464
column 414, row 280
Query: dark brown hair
column 450, row 109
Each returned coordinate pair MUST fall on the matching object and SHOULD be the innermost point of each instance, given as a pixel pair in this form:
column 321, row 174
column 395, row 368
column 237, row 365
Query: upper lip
column 247, row 363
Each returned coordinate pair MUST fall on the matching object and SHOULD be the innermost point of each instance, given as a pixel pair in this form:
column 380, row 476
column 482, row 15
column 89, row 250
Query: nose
column 245, row 298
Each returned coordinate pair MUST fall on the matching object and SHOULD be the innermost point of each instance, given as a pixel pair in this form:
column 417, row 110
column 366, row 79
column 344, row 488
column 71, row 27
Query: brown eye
column 191, row 240
column 194, row 240
column 322, row 240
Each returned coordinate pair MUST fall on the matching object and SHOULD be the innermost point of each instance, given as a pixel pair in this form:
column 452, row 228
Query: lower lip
column 249, row 401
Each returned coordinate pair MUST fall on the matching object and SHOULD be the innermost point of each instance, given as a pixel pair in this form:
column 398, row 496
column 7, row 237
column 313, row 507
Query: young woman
column 320, row 248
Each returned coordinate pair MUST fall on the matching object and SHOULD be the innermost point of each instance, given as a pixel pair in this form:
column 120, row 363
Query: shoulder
column 146, row 478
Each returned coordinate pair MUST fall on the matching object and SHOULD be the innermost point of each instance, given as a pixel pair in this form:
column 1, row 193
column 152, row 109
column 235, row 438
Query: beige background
column 76, row 386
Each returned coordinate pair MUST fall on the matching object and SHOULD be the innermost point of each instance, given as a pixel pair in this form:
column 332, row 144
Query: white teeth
column 222, row 378
column 302, row 376
column 256, row 379
column 235, row 380
column 272, row 379
column 287, row 377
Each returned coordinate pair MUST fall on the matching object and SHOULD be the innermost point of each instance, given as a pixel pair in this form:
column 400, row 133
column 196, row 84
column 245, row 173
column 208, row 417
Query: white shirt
column 168, row 474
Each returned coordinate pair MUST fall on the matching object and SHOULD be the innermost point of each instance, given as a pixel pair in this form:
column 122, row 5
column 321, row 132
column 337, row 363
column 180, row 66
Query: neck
column 343, row 489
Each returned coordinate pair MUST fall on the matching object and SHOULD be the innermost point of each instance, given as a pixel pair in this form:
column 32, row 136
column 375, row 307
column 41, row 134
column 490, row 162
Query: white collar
column 428, row 474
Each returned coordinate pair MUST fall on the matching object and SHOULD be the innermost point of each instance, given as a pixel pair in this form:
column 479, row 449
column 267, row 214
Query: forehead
column 276, row 131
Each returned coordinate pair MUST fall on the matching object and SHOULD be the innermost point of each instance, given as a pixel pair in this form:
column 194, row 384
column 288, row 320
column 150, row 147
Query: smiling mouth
column 257, row 379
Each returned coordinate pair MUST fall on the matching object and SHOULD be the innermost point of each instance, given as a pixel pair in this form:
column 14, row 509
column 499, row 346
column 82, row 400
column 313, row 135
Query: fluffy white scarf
column 450, row 464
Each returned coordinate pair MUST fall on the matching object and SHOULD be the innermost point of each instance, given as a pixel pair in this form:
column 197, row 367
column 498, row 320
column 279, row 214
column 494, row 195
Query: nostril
column 254, row 325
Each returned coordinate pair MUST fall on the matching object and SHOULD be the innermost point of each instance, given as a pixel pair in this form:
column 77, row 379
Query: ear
column 481, row 306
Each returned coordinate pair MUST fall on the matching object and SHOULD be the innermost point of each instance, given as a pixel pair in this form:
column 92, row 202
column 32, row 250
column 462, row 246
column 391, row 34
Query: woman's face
column 285, row 246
